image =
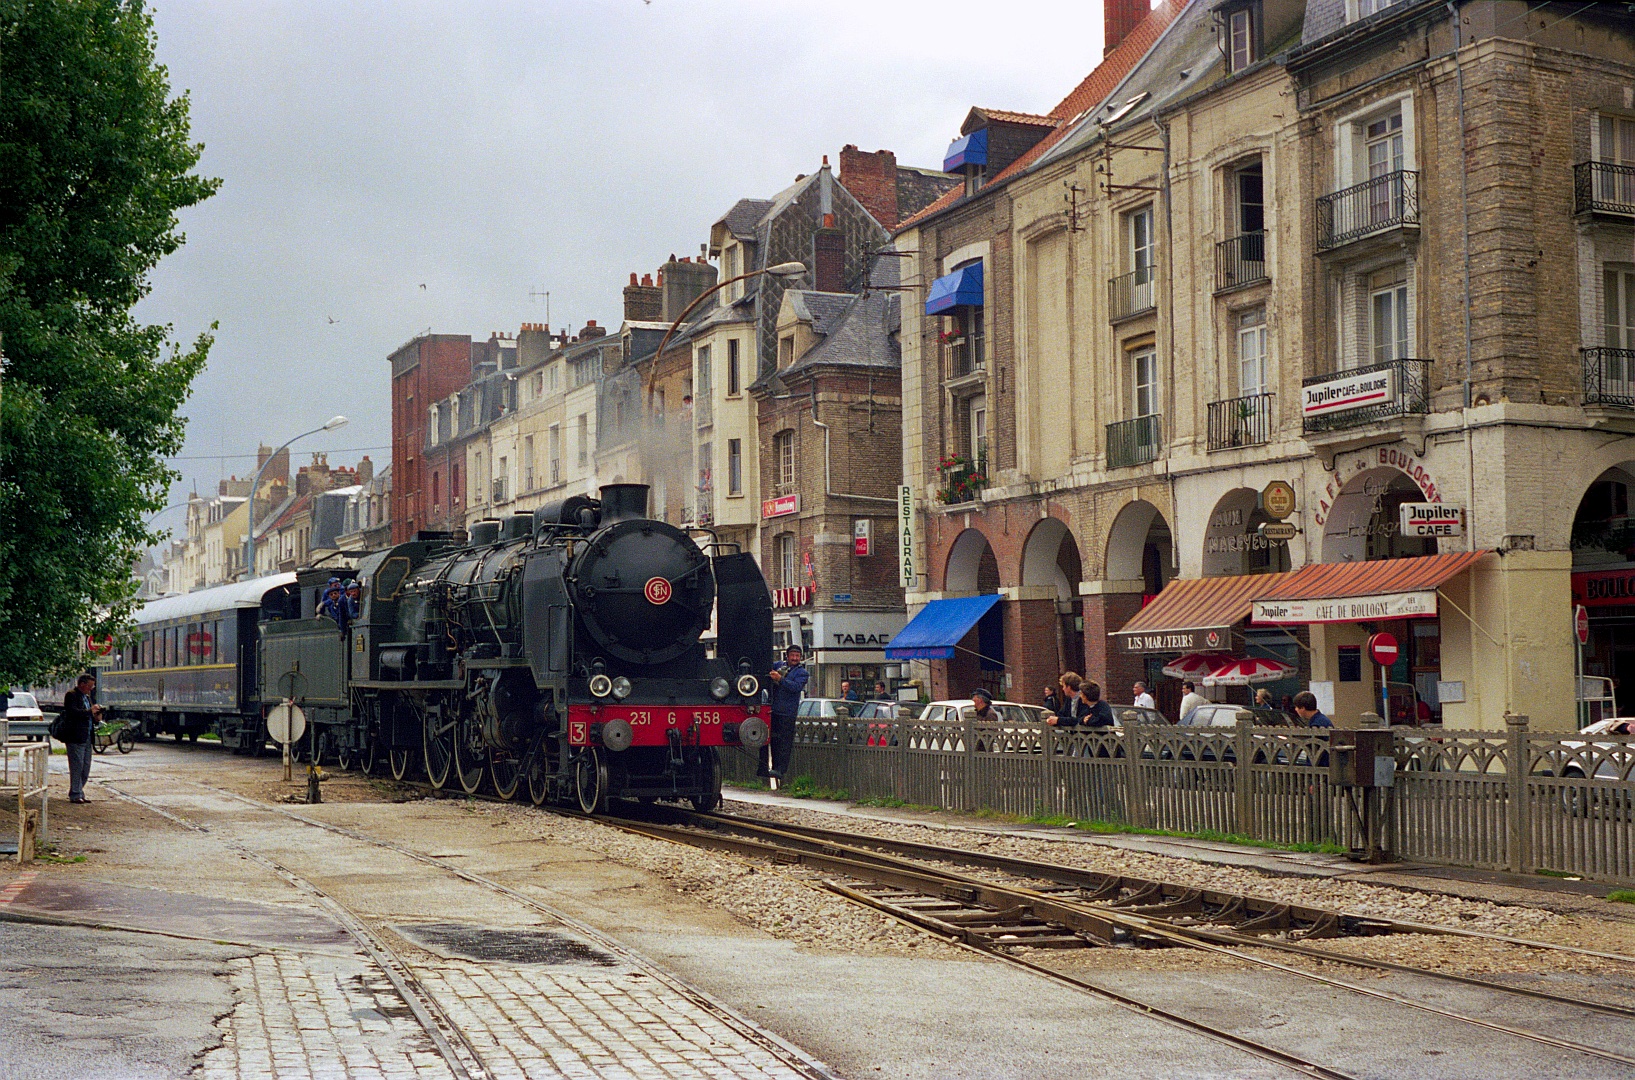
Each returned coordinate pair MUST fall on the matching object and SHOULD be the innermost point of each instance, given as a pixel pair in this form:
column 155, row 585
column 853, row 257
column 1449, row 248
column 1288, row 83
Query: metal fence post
column 1516, row 815
column 1242, row 778
column 969, row 794
column 1048, row 803
column 1135, row 797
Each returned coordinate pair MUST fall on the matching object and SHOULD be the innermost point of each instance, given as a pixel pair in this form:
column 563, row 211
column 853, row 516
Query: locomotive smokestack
column 620, row 501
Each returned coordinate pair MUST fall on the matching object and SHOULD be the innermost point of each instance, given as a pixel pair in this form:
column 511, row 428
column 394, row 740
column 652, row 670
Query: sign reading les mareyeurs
column 907, row 575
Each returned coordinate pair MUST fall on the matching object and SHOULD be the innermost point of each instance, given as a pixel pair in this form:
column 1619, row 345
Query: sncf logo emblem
column 657, row 591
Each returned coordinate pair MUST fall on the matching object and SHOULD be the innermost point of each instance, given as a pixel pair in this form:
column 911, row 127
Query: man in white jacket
column 1191, row 701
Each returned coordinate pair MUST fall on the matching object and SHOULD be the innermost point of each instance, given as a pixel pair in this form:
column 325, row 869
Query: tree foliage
column 95, row 162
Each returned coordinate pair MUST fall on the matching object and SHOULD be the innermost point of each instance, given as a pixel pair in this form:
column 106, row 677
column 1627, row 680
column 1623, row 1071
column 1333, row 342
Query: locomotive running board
column 422, row 684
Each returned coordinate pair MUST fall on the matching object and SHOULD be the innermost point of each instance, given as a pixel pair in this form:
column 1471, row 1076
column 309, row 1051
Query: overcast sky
column 392, row 168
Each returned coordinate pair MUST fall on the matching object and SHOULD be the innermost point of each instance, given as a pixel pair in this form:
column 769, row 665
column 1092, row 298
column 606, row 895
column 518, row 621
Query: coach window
column 215, row 642
column 170, row 647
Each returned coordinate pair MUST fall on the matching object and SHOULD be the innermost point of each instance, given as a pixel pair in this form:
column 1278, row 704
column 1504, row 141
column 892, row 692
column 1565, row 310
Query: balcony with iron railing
column 1131, row 294
column 1601, row 187
column 1357, row 397
column 1240, row 421
column 1609, row 377
column 1133, row 442
column 1377, row 205
column 1240, row 261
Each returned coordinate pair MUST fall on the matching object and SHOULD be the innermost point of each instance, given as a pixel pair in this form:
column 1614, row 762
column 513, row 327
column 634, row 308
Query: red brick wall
column 1116, row 671
column 1030, row 647
column 432, row 367
column 872, row 180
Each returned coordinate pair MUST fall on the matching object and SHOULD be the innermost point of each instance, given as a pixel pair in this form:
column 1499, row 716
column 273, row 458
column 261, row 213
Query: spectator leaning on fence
column 1066, row 710
column 1099, row 714
column 1305, row 707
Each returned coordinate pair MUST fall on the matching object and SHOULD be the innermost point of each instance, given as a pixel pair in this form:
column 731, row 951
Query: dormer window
column 1364, row 8
column 969, row 155
column 1242, row 34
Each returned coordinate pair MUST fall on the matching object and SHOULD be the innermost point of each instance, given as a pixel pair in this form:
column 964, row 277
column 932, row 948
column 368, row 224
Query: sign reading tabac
column 1405, row 605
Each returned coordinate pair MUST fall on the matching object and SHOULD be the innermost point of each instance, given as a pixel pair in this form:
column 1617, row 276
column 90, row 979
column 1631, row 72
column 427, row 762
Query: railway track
column 1069, row 907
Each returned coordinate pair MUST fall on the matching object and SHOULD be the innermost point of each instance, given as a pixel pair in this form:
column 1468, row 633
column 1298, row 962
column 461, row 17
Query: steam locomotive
column 561, row 652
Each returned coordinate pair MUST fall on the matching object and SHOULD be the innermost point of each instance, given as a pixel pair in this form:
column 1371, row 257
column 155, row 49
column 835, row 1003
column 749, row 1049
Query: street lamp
column 782, row 270
column 255, row 486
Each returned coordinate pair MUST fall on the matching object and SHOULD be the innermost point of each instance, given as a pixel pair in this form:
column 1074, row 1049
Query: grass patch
column 210, row 736
column 1559, row 874
column 1622, row 896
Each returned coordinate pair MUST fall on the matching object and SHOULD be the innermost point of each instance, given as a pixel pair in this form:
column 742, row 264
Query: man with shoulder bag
column 73, row 727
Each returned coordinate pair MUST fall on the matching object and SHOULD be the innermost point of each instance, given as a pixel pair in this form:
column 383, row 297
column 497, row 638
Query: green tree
column 95, row 162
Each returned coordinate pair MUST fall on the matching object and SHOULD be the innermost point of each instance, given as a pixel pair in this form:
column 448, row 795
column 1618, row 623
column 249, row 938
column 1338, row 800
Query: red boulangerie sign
column 1604, row 588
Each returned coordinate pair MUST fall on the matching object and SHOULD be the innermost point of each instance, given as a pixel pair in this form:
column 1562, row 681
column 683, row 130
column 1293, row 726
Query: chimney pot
column 632, row 277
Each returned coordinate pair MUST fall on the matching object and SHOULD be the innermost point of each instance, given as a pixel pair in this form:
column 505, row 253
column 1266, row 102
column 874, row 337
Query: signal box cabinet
column 1361, row 758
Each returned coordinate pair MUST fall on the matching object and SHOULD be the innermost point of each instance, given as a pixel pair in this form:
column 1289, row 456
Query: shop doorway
column 1603, row 547
column 1051, row 560
column 1365, row 523
column 979, row 660
column 1232, row 541
column 1141, row 547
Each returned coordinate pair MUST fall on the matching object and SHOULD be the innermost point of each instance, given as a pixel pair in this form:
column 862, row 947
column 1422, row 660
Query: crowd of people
column 1076, row 701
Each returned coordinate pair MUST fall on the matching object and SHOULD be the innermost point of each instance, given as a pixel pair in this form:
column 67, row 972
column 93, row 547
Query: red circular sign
column 100, row 646
column 1581, row 624
column 657, row 591
column 1383, row 649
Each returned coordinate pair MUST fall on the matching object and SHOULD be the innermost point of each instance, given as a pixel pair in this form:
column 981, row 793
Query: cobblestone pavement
column 320, row 1016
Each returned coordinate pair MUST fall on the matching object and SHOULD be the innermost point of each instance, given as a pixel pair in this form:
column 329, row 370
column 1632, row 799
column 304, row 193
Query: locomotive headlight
column 720, row 688
column 748, row 686
column 600, row 685
column 621, row 688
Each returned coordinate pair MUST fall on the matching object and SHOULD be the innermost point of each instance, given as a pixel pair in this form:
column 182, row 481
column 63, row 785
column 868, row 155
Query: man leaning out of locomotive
column 788, row 680
column 334, row 603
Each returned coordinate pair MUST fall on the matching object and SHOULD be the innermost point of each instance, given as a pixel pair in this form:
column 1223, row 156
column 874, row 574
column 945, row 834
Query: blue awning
column 969, row 150
column 940, row 625
column 962, row 288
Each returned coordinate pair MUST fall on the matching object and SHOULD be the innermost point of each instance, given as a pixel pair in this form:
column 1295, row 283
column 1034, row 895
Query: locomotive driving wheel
column 590, row 781
column 470, row 755
column 539, row 768
column 346, row 758
column 709, row 776
column 505, row 772
column 440, row 731
column 401, row 761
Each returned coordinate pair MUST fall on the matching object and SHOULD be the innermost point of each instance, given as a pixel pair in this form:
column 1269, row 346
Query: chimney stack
column 872, row 180
column 642, row 303
column 366, row 470
column 1119, row 17
column 680, row 283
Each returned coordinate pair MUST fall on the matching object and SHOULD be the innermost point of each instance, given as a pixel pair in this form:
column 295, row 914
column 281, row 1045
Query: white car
column 958, row 710
column 23, row 716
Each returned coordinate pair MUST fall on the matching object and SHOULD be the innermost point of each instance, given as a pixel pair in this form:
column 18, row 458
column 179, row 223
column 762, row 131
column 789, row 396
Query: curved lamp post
column 782, row 270
column 255, row 486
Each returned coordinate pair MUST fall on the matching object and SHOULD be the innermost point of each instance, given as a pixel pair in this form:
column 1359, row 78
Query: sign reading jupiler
column 1345, row 392
column 907, row 576
column 1406, row 605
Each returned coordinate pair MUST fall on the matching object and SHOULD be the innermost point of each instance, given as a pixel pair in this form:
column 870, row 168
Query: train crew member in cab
column 788, row 680
column 354, row 599
column 334, row 603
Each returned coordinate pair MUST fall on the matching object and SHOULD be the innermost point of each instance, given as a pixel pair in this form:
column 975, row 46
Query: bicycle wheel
column 127, row 740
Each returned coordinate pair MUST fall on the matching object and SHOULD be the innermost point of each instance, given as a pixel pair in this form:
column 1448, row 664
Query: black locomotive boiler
column 561, row 651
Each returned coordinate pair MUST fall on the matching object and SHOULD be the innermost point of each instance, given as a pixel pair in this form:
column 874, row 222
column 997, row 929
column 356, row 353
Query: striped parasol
column 1196, row 665
column 1249, row 670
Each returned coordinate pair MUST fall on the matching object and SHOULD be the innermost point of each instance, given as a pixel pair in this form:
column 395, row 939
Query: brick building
column 1343, row 251
column 425, row 369
column 830, row 439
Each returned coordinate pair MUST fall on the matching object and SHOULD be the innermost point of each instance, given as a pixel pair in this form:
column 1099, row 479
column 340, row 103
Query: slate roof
column 744, row 216
column 821, row 309
column 1091, row 92
column 859, row 332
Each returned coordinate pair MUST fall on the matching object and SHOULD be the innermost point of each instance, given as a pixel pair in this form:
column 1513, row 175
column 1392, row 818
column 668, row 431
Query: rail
column 24, row 772
column 1514, row 800
column 1133, row 442
column 1240, row 421
column 1389, row 201
column 1609, row 377
column 1240, row 261
column 1131, row 294
column 1602, row 187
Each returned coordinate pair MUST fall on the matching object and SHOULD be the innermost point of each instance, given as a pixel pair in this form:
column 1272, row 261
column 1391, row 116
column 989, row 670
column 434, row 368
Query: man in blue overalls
column 788, row 680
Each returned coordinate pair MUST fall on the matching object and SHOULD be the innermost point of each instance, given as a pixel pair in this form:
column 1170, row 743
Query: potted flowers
column 962, row 479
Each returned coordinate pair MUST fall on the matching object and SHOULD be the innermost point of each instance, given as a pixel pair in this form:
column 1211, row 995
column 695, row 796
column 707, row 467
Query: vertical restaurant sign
column 907, row 575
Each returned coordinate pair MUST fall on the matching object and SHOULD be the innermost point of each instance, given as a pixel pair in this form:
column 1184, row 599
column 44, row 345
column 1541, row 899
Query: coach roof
column 239, row 594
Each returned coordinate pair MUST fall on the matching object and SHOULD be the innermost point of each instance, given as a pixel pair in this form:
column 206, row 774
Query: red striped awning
column 1361, row 591
column 1193, row 614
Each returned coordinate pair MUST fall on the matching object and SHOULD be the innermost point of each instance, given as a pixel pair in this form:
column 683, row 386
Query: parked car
column 1219, row 715
column 826, row 708
column 24, row 717
column 957, row 710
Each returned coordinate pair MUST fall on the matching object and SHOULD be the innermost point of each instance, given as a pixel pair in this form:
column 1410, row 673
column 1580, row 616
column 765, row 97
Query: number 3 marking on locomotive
column 657, row 591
